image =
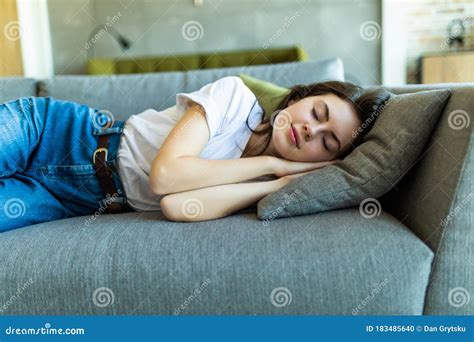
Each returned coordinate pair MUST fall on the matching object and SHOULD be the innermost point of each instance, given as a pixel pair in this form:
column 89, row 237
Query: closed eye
column 315, row 114
column 325, row 146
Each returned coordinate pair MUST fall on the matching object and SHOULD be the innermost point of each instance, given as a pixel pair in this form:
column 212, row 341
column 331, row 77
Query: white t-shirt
column 227, row 102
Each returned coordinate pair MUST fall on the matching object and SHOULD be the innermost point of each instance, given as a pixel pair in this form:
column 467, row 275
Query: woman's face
column 316, row 128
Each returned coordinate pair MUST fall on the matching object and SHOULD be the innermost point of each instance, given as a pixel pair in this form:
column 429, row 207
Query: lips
column 294, row 136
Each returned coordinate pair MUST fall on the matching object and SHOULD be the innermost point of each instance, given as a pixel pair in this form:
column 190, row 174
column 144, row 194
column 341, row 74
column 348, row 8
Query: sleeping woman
column 212, row 154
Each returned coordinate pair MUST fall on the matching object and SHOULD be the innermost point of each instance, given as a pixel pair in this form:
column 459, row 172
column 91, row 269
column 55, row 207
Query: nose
column 308, row 131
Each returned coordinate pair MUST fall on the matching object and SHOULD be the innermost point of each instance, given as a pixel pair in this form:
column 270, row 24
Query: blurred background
column 387, row 42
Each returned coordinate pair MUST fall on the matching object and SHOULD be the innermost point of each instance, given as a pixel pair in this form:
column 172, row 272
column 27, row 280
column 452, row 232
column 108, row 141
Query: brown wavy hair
column 368, row 103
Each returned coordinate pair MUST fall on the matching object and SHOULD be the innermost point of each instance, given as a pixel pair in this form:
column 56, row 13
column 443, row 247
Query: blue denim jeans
column 46, row 168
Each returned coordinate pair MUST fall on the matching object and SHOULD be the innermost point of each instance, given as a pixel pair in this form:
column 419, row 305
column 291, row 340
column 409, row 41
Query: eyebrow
column 326, row 108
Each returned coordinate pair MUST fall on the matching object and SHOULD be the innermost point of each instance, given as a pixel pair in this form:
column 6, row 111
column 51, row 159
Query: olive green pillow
column 268, row 95
column 384, row 156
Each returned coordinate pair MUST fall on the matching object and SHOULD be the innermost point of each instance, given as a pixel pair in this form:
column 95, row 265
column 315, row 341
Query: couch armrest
column 436, row 198
column 451, row 285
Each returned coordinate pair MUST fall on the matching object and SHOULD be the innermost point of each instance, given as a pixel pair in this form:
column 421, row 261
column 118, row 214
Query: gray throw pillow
column 385, row 155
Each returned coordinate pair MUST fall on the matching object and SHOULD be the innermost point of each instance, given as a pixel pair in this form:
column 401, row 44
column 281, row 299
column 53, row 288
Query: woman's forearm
column 215, row 202
column 189, row 172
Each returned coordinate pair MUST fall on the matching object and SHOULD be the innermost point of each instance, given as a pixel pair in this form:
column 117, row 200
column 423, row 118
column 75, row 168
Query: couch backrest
column 125, row 95
column 12, row 88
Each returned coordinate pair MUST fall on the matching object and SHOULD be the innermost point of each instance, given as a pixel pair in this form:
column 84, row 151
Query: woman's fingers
column 288, row 167
column 329, row 162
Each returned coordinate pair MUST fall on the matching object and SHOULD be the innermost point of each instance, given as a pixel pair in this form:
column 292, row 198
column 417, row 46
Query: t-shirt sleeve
column 222, row 100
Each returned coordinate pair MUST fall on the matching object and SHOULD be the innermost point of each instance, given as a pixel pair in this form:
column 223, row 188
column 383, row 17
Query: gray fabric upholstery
column 387, row 152
column 331, row 263
column 426, row 193
column 125, row 95
column 12, row 88
column 452, row 280
column 435, row 200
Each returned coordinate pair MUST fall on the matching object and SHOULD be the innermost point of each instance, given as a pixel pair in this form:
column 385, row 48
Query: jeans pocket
column 68, row 172
column 76, row 186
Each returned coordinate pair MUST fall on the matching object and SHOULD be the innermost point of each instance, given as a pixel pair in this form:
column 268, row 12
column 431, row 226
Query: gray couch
column 416, row 258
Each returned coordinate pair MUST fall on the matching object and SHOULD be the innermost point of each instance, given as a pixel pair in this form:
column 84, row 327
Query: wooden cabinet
column 446, row 68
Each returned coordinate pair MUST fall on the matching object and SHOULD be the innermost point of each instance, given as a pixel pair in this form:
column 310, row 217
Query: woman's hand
column 283, row 167
column 286, row 179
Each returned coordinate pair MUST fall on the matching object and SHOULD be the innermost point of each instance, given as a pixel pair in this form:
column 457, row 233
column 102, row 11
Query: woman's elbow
column 157, row 182
column 191, row 210
column 170, row 209
column 175, row 210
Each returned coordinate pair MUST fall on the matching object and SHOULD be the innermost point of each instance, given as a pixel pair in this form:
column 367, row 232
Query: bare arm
column 178, row 168
column 217, row 201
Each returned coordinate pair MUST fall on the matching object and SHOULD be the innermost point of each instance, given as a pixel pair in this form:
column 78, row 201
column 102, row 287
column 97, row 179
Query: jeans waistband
column 114, row 139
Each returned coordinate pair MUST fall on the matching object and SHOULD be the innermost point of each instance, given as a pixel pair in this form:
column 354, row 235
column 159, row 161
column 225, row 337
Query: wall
column 70, row 23
column 324, row 28
column 427, row 22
